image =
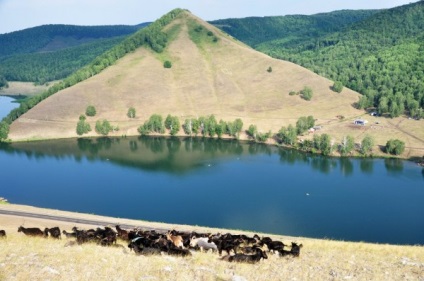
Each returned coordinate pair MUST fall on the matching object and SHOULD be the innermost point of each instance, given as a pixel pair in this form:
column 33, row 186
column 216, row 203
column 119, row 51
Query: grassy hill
column 50, row 52
column 211, row 73
column 382, row 57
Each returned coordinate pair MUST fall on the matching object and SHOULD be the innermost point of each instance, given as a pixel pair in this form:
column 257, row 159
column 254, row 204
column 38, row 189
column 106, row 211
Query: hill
column 290, row 30
column 211, row 74
column 382, row 57
column 50, row 52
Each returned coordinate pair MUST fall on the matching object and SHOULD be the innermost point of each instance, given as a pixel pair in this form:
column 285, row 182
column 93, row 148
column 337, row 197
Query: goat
column 69, row 234
column 273, row 245
column 294, row 251
column 202, row 243
column 122, row 233
column 176, row 251
column 54, row 232
column 177, row 240
column 2, row 233
column 247, row 258
column 32, row 231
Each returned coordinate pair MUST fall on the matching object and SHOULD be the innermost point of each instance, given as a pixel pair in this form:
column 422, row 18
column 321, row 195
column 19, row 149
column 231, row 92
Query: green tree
column 306, row 93
column 325, row 144
column 269, row 69
column 252, row 131
column 167, row 64
column 131, row 112
column 288, row 135
column 90, row 111
column 367, row 144
column 395, row 146
column 4, row 130
column 347, row 145
column 172, row 123
column 103, row 127
column 304, row 123
column 221, row 128
column 82, row 126
column 263, row 137
column 337, row 87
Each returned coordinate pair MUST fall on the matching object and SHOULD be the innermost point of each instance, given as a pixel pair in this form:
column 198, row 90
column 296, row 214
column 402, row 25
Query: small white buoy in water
column 307, row 194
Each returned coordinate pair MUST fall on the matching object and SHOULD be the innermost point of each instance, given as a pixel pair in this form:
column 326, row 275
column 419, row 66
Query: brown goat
column 177, row 240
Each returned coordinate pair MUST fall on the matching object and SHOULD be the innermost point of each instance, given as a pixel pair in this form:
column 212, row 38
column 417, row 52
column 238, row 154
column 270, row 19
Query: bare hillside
column 221, row 77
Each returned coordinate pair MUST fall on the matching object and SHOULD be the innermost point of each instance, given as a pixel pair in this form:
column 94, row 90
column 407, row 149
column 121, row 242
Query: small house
column 360, row 122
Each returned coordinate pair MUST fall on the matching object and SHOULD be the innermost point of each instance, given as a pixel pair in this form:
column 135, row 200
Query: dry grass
column 24, row 258
column 226, row 78
column 23, row 88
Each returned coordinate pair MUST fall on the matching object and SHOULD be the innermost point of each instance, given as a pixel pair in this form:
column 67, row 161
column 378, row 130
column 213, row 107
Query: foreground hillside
column 211, row 73
column 319, row 259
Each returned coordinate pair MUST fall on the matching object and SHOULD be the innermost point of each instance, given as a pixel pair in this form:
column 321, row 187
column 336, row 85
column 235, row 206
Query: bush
column 167, row 64
column 395, row 147
column 252, row 131
column 90, row 111
column 307, row 93
column 131, row 112
column 269, row 69
column 337, row 87
column 82, row 126
column 367, row 144
column 154, row 124
column 103, row 127
column 293, row 93
column 172, row 123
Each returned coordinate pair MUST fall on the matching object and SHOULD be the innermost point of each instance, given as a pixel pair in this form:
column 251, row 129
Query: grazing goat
column 32, row 231
column 54, row 232
column 122, row 233
column 247, row 258
column 202, row 243
column 69, row 234
column 2, row 233
column 177, row 240
column 294, row 251
column 173, row 250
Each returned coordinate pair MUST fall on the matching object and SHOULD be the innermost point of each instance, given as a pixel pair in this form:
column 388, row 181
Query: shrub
column 395, row 147
column 103, row 127
column 304, row 123
column 167, row 64
column 252, row 131
column 367, row 144
column 293, row 93
column 154, row 124
column 337, row 87
column 263, row 137
column 82, row 126
column 131, row 112
column 210, row 33
column 307, row 93
column 90, row 111
column 269, row 69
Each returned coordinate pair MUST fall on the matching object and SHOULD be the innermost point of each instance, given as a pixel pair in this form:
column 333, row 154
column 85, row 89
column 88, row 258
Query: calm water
column 220, row 184
column 6, row 105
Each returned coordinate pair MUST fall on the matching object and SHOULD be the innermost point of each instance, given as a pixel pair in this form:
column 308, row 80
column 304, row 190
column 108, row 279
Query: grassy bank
column 24, row 258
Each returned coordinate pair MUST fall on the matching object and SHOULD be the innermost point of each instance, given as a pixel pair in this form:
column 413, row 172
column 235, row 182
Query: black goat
column 247, row 258
column 32, row 231
column 69, row 234
column 122, row 233
column 54, row 232
column 294, row 251
column 2, row 233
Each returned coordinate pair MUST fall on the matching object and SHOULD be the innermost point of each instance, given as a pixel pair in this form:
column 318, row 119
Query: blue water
column 6, row 105
column 226, row 184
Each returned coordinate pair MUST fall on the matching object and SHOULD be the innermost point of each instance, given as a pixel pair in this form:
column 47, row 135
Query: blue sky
column 21, row 14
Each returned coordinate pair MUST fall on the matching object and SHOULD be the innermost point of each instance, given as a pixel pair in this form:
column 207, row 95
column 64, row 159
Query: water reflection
column 173, row 154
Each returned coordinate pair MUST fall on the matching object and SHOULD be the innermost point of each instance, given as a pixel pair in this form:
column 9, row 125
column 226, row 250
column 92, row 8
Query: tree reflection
column 393, row 165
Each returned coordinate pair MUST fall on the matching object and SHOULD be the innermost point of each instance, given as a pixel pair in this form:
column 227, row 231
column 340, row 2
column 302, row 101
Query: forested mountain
column 381, row 57
column 51, row 52
column 289, row 30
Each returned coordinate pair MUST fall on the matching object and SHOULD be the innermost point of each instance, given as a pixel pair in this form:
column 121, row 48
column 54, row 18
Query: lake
column 220, row 183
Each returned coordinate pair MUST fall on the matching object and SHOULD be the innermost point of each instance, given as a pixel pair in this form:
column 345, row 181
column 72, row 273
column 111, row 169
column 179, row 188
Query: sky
column 20, row 14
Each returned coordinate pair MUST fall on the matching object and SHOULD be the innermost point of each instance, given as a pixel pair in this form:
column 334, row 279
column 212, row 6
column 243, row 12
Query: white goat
column 203, row 243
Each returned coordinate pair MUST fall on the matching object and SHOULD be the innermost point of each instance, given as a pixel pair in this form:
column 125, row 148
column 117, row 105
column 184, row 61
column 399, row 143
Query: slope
column 211, row 74
column 381, row 57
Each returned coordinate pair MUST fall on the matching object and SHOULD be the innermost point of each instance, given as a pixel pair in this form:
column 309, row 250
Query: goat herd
column 239, row 248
